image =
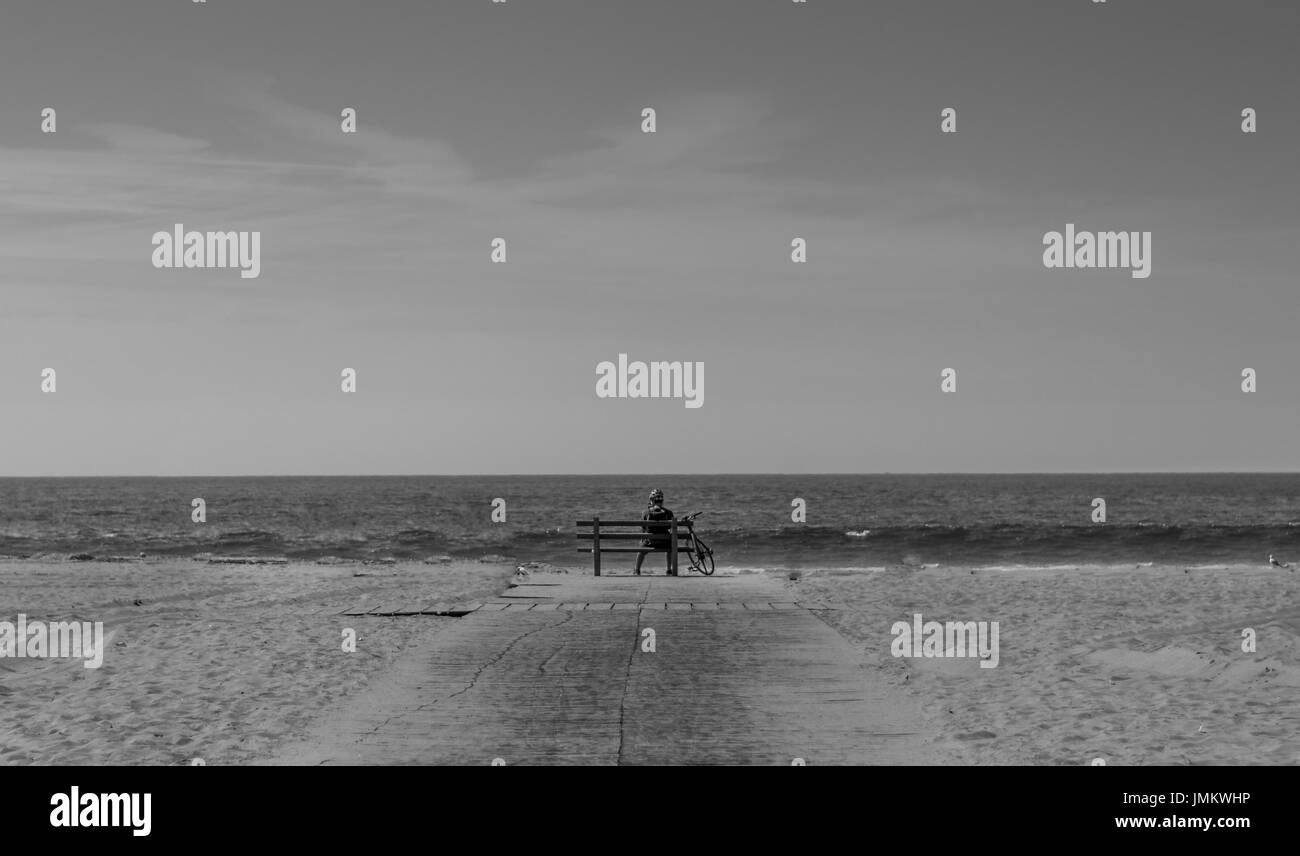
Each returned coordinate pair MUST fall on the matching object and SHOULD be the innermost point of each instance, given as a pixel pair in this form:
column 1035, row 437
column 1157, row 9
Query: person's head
column 656, row 497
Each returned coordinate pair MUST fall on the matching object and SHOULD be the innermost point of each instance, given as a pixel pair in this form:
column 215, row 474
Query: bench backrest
column 597, row 531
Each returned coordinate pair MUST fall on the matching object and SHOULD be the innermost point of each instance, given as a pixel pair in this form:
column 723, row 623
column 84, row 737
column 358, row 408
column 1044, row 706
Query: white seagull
column 1275, row 563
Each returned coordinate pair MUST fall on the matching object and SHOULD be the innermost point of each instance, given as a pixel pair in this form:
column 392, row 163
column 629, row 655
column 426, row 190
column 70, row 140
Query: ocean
column 853, row 521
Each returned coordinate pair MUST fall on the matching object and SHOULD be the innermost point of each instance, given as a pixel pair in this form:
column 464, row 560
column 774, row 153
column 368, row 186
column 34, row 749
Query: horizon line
column 664, row 475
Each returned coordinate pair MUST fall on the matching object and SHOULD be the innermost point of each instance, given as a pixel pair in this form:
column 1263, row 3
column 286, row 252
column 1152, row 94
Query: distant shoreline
column 921, row 474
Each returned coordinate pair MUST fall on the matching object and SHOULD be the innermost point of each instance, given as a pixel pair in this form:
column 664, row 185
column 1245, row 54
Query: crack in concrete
column 627, row 680
column 627, row 677
column 472, row 681
column 506, row 650
column 542, row 666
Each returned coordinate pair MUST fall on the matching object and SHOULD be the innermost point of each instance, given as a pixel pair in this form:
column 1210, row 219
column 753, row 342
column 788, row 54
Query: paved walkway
column 553, row 672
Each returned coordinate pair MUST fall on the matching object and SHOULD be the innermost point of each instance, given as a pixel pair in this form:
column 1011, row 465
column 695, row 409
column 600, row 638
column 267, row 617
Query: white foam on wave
column 851, row 569
column 1025, row 568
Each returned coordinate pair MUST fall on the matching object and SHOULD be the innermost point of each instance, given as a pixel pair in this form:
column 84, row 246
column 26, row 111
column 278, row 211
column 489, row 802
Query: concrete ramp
column 555, row 671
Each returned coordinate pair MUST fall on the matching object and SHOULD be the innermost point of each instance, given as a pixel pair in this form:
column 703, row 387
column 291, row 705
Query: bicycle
column 698, row 553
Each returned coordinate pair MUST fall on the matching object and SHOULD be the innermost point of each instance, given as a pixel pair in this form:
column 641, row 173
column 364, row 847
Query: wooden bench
column 597, row 531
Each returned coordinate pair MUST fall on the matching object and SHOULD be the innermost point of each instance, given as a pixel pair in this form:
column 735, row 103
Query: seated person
column 658, row 534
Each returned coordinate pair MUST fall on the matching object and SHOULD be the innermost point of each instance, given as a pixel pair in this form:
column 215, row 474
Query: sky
column 523, row 120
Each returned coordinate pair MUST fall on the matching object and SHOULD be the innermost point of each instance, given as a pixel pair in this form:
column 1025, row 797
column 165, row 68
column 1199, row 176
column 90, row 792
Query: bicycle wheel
column 702, row 558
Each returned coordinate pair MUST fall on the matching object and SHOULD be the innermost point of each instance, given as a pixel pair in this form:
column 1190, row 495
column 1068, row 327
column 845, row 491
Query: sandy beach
column 216, row 662
column 1137, row 666
column 230, row 663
